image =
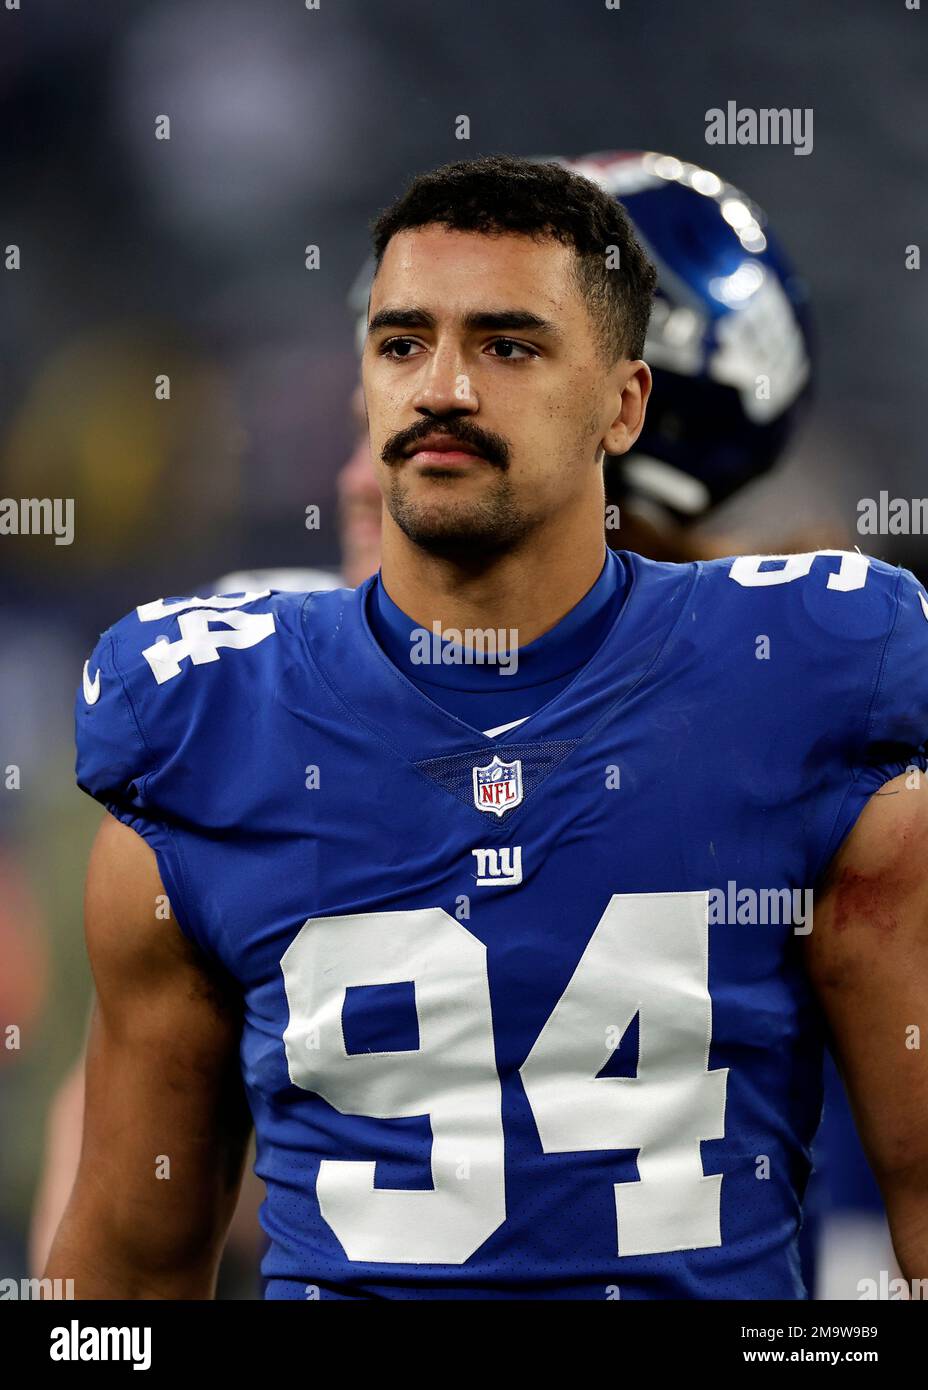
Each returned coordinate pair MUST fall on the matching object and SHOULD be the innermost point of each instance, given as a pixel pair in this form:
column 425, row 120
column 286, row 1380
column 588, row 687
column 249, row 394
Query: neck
column 529, row 588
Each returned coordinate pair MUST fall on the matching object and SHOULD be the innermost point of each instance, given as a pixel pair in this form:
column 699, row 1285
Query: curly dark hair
column 501, row 193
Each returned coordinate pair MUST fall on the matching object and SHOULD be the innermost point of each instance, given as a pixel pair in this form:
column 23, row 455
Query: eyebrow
column 477, row 321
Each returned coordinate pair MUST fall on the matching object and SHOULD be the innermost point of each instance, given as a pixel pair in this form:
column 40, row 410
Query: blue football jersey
column 525, row 1016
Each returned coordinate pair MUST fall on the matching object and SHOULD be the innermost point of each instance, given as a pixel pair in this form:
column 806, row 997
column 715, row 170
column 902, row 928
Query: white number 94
column 648, row 956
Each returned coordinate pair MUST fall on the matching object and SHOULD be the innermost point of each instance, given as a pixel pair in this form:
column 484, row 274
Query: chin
column 459, row 532
column 457, row 527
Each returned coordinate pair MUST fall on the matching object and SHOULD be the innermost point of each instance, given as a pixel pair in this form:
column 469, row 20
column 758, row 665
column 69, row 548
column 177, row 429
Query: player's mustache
column 492, row 447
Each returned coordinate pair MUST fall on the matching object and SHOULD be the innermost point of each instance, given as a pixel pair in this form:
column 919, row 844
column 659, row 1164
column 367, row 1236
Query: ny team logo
column 498, row 786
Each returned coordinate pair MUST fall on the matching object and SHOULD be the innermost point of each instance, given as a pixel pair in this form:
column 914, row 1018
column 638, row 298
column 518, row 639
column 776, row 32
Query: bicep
column 867, row 956
column 165, row 1123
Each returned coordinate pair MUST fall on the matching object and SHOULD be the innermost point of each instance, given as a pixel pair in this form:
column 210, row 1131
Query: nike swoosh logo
column 91, row 687
column 504, row 728
column 924, row 603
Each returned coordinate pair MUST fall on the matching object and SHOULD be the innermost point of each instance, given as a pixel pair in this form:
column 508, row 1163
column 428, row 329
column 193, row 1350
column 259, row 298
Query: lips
column 442, row 448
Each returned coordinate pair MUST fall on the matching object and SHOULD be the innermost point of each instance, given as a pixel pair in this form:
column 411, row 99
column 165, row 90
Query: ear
column 634, row 384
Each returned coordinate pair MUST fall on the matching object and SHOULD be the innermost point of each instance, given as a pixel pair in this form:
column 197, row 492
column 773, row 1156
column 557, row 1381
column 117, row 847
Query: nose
column 444, row 385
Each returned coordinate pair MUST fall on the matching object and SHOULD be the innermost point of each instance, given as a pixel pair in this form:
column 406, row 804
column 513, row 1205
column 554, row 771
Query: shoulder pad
column 164, row 677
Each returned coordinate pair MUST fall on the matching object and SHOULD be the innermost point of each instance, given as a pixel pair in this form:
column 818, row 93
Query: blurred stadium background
column 291, row 127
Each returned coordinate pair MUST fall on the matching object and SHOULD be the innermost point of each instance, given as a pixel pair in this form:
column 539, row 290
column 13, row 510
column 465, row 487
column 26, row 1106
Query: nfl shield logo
column 498, row 786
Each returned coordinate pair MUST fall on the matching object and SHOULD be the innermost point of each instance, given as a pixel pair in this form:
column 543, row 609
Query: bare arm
column 165, row 1123
column 868, row 958
column 60, row 1160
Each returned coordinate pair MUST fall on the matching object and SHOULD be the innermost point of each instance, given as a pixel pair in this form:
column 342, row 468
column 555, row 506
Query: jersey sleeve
column 117, row 759
column 895, row 729
column 174, row 720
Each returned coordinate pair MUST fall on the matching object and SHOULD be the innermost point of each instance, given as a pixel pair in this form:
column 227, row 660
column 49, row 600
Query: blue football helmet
column 729, row 339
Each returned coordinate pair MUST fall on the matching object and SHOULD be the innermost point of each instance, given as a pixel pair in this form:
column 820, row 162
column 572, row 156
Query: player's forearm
column 106, row 1263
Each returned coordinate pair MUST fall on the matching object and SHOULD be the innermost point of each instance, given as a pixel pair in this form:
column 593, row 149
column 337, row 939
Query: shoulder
column 179, row 677
column 841, row 603
column 841, row 592
column 160, row 644
column 165, row 640
column 823, row 583
column 823, row 595
column 848, row 631
column 820, row 599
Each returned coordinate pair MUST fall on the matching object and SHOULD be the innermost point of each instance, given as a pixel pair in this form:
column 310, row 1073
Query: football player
column 704, row 394
column 462, row 914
